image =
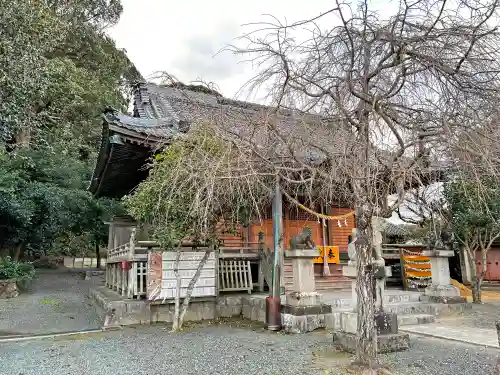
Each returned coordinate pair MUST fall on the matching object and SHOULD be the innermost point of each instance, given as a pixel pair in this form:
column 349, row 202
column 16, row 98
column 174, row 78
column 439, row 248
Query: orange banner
column 332, row 252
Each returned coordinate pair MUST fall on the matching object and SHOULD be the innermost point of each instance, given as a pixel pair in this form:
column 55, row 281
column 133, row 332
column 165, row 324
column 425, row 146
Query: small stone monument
column 111, row 321
column 388, row 337
column 304, row 310
column 441, row 290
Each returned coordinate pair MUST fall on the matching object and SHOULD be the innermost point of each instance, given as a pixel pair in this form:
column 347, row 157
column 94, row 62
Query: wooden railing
column 126, row 268
column 129, row 281
column 235, row 275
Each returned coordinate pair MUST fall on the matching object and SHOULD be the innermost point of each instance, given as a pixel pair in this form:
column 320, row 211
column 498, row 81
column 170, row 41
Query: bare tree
column 399, row 90
column 369, row 107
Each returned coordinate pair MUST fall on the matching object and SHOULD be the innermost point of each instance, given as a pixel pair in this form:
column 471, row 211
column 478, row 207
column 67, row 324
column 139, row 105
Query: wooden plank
column 166, row 284
column 238, row 256
column 187, row 273
column 197, row 292
column 249, row 277
column 187, row 255
column 188, row 265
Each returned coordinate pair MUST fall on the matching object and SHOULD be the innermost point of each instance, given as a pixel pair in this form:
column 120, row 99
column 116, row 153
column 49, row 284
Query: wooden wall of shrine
column 294, row 220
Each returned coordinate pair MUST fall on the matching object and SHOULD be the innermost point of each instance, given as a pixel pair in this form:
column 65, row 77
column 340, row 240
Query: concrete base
column 302, row 324
column 385, row 343
column 442, row 291
column 303, row 312
column 444, row 294
column 303, row 299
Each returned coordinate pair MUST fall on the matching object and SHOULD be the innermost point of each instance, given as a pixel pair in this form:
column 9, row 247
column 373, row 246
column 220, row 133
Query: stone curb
column 437, row 336
column 46, row 335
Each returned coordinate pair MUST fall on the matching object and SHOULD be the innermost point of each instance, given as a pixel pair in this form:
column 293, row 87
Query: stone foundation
column 385, row 343
column 8, row 289
column 302, row 324
column 122, row 312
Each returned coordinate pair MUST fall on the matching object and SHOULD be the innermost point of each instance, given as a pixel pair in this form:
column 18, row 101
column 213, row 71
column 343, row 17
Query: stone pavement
column 465, row 334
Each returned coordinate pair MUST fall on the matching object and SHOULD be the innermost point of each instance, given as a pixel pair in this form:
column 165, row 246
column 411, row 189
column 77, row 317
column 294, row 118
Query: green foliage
column 10, row 269
column 474, row 209
column 183, row 197
column 58, row 71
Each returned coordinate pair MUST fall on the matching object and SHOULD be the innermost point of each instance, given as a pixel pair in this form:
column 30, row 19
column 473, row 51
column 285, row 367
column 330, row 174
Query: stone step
column 415, row 319
column 389, row 299
column 436, row 309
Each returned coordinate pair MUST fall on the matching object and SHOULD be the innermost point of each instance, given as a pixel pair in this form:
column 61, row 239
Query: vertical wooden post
column 132, row 280
column 131, row 252
column 261, row 261
column 326, row 267
column 217, row 271
column 403, row 273
column 124, row 280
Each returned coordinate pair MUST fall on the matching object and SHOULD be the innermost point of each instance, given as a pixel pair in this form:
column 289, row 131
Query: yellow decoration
column 318, row 215
column 333, row 254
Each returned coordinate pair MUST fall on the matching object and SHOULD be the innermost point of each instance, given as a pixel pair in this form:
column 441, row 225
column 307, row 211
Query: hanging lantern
column 126, row 265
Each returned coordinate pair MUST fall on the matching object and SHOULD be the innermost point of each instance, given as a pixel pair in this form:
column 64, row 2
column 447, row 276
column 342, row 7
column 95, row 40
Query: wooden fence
column 83, row 262
column 235, row 275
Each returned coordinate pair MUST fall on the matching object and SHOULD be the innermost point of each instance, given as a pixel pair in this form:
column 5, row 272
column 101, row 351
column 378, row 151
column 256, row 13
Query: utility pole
column 273, row 302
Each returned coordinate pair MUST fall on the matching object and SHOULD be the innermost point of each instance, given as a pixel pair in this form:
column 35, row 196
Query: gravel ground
column 225, row 350
column 57, row 302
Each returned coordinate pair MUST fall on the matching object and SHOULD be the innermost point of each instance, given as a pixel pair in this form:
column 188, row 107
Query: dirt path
column 56, row 302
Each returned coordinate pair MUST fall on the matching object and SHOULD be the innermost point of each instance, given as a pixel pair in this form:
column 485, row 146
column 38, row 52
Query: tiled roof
column 391, row 229
column 164, row 112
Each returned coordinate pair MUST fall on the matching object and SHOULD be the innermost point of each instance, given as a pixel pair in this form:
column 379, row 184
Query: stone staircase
column 412, row 308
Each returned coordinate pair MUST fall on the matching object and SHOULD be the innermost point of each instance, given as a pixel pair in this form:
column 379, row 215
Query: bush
column 10, row 269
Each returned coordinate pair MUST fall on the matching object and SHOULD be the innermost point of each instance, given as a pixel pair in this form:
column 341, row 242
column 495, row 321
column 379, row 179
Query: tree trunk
column 98, row 254
column 178, row 281
column 191, row 285
column 366, row 344
column 476, row 290
column 18, row 252
column 476, row 286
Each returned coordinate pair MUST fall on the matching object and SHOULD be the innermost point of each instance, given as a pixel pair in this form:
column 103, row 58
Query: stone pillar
column 303, row 310
column 303, row 269
column 441, row 289
column 381, row 274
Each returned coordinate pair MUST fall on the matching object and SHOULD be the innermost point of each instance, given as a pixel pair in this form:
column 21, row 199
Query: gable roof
column 162, row 113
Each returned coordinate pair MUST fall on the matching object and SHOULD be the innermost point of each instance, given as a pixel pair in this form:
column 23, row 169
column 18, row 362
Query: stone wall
column 8, row 289
column 131, row 312
column 254, row 308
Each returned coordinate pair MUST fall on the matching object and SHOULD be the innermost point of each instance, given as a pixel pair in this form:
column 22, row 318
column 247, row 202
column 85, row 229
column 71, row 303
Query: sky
column 183, row 37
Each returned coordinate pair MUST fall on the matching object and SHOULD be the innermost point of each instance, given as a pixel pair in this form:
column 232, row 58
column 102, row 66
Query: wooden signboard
column 331, row 251
column 154, row 275
column 163, row 284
